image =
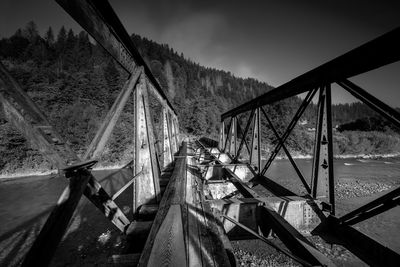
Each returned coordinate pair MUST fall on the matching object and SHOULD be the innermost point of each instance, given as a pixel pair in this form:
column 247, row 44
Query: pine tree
column 111, row 76
column 16, row 46
column 84, row 51
column 70, row 54
column 60, row 48
column 61, row 40
column 49, row 37
column 30, row 32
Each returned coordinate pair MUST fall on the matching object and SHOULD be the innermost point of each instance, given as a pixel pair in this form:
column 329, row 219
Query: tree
column 61, row 40
column 60, row 48
column 49, row 37
column 70, row 52
column 84, row 51
column 15, row 46
column 111, row 76
column 30, row 32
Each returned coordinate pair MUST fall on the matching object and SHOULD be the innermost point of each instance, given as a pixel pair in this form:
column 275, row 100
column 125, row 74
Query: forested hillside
column 74, row 81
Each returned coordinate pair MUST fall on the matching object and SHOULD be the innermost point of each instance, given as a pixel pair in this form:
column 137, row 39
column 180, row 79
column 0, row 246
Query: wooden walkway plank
column 166, row 202
column 183, row 220
column 169, row 245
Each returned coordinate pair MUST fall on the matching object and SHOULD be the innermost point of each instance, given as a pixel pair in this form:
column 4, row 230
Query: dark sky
column 273, row 41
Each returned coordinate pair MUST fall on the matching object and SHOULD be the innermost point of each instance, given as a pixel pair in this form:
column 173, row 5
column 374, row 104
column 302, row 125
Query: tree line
column 75, row 82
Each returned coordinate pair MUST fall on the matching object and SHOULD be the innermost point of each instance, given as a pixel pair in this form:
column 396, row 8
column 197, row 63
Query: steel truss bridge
column 174, row 223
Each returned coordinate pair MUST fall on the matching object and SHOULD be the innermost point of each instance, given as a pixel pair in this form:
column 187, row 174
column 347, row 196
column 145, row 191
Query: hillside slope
column 75, row 82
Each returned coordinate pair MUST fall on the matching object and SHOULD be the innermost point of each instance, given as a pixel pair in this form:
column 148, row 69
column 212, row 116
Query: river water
column 385, row 170
column 26, row 202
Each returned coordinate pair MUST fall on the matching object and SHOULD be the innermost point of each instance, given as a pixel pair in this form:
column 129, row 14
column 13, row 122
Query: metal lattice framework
column 187, row 228
column 372, row 55
column 100, row 21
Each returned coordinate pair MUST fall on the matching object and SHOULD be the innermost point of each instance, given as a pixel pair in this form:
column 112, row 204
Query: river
column 26, row 202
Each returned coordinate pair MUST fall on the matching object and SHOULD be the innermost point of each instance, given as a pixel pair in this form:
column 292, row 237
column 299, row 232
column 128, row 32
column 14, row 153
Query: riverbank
column 29, row 173
column 36, row 173
column 347, row 156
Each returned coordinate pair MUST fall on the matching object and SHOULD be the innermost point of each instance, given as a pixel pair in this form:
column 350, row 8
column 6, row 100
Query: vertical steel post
column 146, row 186
column 255, row 153
column 322, row 184
column 176, row 132
column 243, row 135
column 232, row 138
column 227, row 141
column 173, row 135
column 221, row 143
column 167, row 152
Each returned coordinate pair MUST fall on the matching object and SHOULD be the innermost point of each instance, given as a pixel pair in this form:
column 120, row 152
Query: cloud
column 243, row 70
column 194, row 35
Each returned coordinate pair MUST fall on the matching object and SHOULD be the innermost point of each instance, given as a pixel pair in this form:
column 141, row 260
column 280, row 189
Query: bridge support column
column 221, row 143
column 167, row 151
column 255, row 153
column 147, row 185
column 322, row 184
column 231, row 142
column 175, row 133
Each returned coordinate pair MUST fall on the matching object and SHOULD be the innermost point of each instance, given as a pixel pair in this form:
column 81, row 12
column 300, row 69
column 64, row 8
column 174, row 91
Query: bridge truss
column 183, row 215
column 234, row 140
column 100, row 21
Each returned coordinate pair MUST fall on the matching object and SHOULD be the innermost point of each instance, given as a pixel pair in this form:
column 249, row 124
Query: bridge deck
column 185, row 232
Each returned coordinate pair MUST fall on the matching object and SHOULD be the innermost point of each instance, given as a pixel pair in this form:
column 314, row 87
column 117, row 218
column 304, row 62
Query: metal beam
column 232, row 136
column 171, row 135
column 374, row 103
column 26, row 116
column 262, row 238
column 175, row 132
column 98, row 143
column 227, row 138
column 243, row 188
column 167, row 144
column 372, row 55
column 241, row 133
column 289, row 129
column 222, row 137
column 23, row 113
column 377, row 206
column 244, row 134
column 147, row 186
column 303, row 180
column 122, row 189
column 255, row 152
column 364, row 247
column 45, row 245
column 292, row 239
column 297, row 211
column 322, row 183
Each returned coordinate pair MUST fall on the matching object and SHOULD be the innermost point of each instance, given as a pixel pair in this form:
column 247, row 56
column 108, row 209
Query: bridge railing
column 317, row 82
column 101, row 22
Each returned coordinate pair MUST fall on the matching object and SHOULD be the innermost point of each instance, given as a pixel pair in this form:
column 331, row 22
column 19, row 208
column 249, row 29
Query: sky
column 272, row 41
